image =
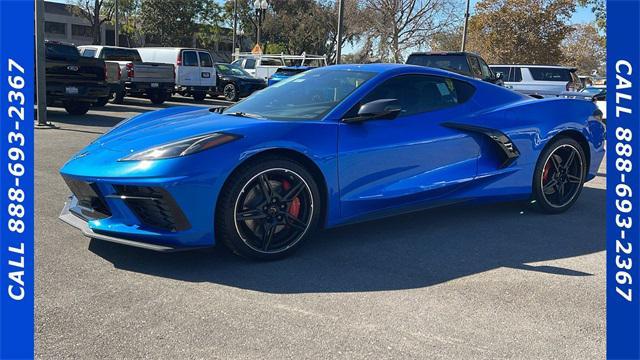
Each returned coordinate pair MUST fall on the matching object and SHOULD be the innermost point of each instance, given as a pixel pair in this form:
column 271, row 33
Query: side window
column 516, row 74
column 484, row 68
column 250, row 64
column 501, row 70
column 475, row 67
column 189, row 58
column 89, row 52
column 205, row 59
column 421, row 93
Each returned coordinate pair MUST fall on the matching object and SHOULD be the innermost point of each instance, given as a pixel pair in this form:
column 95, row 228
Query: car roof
column 535, row 66
column 465, row 53
column 397, row 68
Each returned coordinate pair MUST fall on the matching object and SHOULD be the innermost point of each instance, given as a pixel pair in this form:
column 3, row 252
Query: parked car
column 460, row 62
column 286, row 72
column 113, row 75
column 539, row 78
column 72, row 81
column 234, row 83
column 262, row 66
column 195, row 75
column 143, row 79
column 343, row 143
column 599, row 96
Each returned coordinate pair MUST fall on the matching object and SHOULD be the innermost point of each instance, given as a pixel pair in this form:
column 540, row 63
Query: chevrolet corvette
column 327, row 147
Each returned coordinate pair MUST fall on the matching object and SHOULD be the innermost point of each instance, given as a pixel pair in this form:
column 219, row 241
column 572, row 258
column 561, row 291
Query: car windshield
column 61, row 52
column 593, row 90
column 455, row 63
column 290, row 71
column 551, row 74
column 306, row 96
column 227, row 69
column 119, row 54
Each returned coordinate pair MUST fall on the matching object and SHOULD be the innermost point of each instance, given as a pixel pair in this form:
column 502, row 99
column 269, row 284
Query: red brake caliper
column 294, row 209
column 545, row 172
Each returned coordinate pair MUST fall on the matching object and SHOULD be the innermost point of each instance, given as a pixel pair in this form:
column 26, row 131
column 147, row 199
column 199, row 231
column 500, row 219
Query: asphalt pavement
column 467, row 282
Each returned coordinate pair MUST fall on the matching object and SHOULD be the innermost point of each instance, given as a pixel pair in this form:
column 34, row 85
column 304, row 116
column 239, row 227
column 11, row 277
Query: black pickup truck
column 461, row 62
column 72, row 81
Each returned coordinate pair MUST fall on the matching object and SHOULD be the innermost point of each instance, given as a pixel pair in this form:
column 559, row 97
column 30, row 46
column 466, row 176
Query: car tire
column 230, row 92
column 199, row 96
column 76, row 108
column 559, row 175
column 101, row 102
column 118, row 97
column 157, row 98
column 267, row 208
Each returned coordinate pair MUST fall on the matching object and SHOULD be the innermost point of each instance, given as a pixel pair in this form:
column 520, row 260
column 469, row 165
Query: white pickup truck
column 152, row 80
column 262, row 66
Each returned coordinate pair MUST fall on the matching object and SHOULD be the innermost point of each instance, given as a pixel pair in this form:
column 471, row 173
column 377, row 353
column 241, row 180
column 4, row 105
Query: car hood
column 165, row 126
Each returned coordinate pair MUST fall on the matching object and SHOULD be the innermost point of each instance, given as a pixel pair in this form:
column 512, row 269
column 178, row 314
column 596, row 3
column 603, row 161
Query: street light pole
column 464, row 29
column 261, row 10
column 41, row 91
column 235, row 27
column 339, row 40
column 115, row 30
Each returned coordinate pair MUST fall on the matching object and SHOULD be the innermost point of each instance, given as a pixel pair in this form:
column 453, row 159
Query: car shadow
column 408, row 251
column 89, row 119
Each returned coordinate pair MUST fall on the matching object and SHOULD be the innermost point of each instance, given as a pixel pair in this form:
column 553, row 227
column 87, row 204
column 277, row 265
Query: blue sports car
column 329, row 146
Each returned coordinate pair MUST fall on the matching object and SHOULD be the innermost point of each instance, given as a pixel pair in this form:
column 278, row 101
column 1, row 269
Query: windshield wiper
column 244, row 114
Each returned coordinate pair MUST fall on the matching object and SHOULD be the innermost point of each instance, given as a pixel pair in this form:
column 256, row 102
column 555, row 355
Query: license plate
column 71, row 90
column 154, row 85
column 206, row 75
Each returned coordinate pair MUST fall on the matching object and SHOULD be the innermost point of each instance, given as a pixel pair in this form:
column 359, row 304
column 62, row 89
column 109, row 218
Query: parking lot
column 474, row 282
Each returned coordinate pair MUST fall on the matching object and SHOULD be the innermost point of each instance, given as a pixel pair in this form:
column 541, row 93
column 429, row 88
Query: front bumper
column 58, row 93
column 76, row 220
column 162, row 214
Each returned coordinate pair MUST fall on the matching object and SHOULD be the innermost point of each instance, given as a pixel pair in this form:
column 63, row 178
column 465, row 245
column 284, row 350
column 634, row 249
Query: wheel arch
column 579, row 137
column 298, row 157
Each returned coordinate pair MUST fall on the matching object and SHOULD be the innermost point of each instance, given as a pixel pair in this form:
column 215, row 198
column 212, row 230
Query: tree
column 599, row 9
column 97, row 12
column 584, row 49
column 450, row 40
column 397, row 26
column 296, row 26
column 172, row 23
column 520, row 31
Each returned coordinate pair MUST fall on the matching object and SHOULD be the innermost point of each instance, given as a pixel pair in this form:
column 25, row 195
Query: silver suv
column 538, row 78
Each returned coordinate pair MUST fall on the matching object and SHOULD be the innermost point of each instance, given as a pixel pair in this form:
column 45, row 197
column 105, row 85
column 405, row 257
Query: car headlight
column 182, row 147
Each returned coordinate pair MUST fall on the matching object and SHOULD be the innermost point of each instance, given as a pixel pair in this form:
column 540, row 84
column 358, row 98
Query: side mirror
column 377, row 110
column 499, row 76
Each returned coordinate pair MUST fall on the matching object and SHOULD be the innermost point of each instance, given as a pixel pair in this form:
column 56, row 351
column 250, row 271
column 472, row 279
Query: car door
column 207, row 73
column 189, row 70
column 413, row 158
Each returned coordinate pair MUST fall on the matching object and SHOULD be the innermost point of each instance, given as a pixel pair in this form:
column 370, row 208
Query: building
column 62, row 24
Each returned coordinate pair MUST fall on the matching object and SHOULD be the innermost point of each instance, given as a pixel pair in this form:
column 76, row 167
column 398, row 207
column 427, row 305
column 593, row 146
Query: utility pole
column 339, row 40
column 115, row 30
column 235, row 27
column 41, row 91
column 464, row 29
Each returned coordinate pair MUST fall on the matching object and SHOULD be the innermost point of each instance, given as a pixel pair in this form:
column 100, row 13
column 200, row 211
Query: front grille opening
column 91, row 203
column 153, row 206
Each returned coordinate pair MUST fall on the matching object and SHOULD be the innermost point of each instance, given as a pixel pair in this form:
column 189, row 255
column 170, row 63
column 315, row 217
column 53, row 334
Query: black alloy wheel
column 560, row 175
column 269, row 210
column 230, row 92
